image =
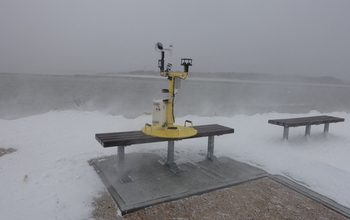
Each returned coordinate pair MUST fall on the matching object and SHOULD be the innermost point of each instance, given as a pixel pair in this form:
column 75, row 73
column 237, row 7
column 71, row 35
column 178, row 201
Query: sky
column 298, row 37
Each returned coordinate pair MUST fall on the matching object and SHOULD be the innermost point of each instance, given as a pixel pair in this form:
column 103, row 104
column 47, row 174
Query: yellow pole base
column 175, row 131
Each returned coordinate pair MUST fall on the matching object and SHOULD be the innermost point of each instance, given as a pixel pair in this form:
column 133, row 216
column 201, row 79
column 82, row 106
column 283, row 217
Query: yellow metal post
column 169, row 130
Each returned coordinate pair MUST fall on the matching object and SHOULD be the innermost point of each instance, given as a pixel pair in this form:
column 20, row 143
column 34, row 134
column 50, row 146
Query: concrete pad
column 153, row 183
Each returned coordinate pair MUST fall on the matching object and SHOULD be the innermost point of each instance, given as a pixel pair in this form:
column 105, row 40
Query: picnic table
column 127, row 138
column 305, row 121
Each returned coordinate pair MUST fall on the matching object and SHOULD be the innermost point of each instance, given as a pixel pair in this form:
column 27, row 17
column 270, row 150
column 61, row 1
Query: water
column 24, row 95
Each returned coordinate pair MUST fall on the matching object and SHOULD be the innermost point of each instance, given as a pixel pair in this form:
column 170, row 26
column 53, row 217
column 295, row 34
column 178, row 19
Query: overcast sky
column 299, row 37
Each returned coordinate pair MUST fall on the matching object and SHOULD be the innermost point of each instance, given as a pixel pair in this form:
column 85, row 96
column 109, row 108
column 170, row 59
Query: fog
column 309, row 38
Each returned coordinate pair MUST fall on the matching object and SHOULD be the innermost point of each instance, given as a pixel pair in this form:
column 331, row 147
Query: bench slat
column 127, row 138
column 316, row 120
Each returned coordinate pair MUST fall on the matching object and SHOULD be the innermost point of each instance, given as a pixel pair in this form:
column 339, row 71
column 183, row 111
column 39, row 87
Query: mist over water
column 26, row 94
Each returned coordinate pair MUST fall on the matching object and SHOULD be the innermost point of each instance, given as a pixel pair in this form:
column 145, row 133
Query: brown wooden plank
column 315, row 120
column 138, row 137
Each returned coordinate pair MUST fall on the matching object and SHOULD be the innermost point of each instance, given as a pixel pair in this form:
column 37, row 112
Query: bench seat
column 127, row 138
column 305, row 121
column 315, row 120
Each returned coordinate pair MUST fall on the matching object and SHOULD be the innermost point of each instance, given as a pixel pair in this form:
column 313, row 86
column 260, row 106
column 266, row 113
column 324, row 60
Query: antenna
column 159, row 48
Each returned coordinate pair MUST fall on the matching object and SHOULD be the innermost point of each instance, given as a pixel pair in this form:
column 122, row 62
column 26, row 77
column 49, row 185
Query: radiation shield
column 177, row 84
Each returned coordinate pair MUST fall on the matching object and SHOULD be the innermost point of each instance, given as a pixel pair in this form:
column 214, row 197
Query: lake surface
column 26, row 94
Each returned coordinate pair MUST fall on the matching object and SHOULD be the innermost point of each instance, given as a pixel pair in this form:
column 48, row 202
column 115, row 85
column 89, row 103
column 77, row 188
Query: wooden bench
column 305, row 121
column 123, row 139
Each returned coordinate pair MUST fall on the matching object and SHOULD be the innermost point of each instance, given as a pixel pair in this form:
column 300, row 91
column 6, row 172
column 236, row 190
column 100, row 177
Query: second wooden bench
column 305, row 121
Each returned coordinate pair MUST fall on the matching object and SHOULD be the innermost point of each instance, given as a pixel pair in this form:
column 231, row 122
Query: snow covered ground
column 49, row 177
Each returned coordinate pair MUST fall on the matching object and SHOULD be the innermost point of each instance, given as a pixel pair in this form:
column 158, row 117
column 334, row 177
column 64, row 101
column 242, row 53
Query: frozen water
column 24, row 95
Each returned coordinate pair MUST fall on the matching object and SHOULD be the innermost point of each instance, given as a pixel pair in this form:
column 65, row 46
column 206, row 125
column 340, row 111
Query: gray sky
column 302, row 37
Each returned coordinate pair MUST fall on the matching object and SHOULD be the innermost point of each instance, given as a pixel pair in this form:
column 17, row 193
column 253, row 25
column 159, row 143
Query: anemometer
column 163, row 118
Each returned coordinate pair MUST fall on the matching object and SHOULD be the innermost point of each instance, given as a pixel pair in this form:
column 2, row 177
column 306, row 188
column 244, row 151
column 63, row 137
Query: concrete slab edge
column 132, row 208
column 329, row 203
column 116, row 197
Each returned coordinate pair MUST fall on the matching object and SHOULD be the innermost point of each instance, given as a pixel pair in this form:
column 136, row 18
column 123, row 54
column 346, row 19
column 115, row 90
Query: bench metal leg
column 307, row 130
column 326, row 128
column 285, row 133
column 170, row 158
column 210, row 154
column 123, row 177
column 171, row 151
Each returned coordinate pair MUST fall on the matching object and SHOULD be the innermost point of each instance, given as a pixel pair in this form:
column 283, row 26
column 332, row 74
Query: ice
column 49, row 177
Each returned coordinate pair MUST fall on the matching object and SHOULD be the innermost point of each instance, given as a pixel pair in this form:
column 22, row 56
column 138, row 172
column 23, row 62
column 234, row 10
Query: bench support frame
column 307, row 130
column 210, row 153
column 285, row 132
column 170, row 158
column 123, row 177
column 326, row 128
column 171, row 152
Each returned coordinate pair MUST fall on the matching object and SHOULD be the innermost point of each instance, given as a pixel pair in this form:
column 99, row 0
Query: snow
column 49, row 177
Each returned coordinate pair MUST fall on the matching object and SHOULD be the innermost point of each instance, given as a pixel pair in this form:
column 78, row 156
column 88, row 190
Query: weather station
column 162, row 129
column 163, row 118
